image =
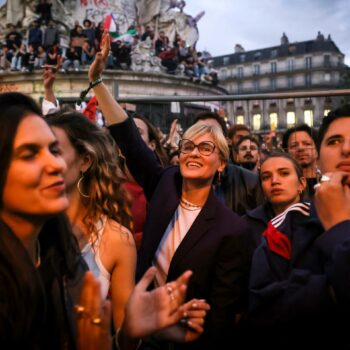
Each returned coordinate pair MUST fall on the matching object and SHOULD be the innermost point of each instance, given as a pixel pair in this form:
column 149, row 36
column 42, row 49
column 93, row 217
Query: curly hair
column 101, row 183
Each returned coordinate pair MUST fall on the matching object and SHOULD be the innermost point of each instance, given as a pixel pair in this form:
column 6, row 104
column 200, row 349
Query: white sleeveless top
column 91, row 254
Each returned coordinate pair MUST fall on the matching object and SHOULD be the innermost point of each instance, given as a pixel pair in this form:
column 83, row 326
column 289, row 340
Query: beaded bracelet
column 85, row 92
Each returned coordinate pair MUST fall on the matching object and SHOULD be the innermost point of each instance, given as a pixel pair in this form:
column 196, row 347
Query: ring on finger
column 81, row 311
column 169, row 289
column 325, row 178
column 96, row 321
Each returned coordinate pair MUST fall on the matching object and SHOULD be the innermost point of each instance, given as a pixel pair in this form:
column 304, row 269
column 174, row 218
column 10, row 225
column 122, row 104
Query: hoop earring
column 78, row 187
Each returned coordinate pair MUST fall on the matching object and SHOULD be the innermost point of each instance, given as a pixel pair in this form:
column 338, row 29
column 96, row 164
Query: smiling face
column 201, row 168
column 280, row 183
column 335, row 147
column 34, row 185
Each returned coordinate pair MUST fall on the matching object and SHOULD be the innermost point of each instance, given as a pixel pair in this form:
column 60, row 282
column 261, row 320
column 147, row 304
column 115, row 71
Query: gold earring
column 78, row 187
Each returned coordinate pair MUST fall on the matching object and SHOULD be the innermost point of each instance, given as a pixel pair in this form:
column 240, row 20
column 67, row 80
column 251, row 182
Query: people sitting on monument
column 73, row 57
column 88, row 53
column 16, row 61
column 13, row 38
column 162, row 43
column 35, row 35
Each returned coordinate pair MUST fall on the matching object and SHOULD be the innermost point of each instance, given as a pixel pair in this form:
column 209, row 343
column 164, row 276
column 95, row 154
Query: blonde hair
column 197, row 130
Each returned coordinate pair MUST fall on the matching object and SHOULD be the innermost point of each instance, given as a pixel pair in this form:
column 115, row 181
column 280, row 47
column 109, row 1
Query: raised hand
column 332, row 198
column 190, row 326
column 93, row 317
column 101, row 57
column 148, row 312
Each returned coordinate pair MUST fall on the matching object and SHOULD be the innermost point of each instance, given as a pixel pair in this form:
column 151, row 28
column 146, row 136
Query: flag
column 111, row 25
column 90, row 109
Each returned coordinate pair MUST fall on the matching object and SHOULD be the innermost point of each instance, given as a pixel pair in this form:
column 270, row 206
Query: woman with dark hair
column 99, row 208
column 299, row 291
column 41, row 269
column 149, row 135
column 283, row 183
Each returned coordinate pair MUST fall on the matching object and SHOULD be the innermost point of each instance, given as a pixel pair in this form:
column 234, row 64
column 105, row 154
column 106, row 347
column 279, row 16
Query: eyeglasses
column 245, row 148
column 206, row 148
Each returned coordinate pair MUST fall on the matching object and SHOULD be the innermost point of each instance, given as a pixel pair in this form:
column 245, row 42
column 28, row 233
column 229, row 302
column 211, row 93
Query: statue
column 144, row 60
column 161, row 15
column 166, row 15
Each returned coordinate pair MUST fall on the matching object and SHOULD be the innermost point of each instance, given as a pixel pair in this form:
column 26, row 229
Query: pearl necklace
column 189, row 206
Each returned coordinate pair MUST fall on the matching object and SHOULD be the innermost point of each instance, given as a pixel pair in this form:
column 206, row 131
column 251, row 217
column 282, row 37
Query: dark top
column 36, row 305
column 240, row 189
column 301, row 299
column 216, row 248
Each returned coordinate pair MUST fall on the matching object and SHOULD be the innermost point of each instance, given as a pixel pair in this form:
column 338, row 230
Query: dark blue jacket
column 216, row 248
column 304, row 300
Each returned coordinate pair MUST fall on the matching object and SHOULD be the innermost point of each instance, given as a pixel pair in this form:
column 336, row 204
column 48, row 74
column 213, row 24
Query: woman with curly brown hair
column 99, row 208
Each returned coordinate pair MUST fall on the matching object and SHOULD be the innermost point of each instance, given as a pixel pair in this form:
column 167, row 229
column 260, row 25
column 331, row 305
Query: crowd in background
column 262, row 224
column 43, row 43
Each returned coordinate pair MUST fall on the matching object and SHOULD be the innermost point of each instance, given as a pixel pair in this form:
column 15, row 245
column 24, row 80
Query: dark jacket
column 36, row 304
column 240, row 189
column 257, row 220
column 302, row 299
column 216, row 247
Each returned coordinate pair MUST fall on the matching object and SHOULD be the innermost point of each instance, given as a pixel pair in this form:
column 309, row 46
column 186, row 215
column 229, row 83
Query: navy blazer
column 217, row 247
column 304, row 300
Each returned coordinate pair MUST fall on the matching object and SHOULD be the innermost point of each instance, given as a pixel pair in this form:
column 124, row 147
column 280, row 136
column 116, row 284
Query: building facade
column 301, row 66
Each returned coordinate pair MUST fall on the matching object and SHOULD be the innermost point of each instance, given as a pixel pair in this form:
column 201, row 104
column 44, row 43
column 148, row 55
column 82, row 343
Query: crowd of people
column 28, row 50
column 206, row 238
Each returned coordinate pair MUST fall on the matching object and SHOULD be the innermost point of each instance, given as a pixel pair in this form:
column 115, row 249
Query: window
column 290, row 65
column 291, row 49
column 273, row 53
column 308, row 80
column 239, row 119
column 240, row 72
column 242, row 58
column 223, row 73
column 309, row 117
column 290, row 119
column 325, row 112
column 290, row 82
column 257, row 56
column 273, row 121
column 308, row 62
column 273, row 67
column 327, row 60
column 256, row 121
column 256, row 85
column 226, row 60
column 273, row 84
column 239, row 88
column 327, row 77
column 256, row 69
